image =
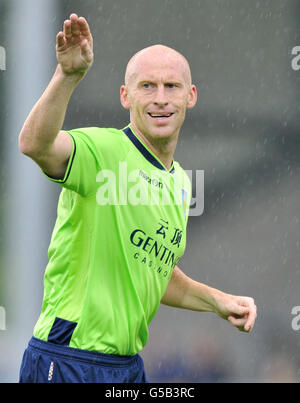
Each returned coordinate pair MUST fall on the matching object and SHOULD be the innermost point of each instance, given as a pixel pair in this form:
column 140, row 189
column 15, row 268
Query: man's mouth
column 160, row 115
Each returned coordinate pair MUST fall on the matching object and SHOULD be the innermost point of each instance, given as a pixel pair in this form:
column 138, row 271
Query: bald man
column 121, row 220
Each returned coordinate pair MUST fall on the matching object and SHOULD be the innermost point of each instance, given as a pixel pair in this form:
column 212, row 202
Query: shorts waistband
column 92, row 357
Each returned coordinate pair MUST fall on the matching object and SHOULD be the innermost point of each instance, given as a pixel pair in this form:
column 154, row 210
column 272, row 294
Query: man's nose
column 161, row 96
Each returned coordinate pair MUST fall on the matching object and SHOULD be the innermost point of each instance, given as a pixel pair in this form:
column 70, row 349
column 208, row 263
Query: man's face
column 158, row 91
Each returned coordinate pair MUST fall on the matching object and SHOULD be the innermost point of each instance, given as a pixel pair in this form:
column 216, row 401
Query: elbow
column 26, row 146
column 22, row 144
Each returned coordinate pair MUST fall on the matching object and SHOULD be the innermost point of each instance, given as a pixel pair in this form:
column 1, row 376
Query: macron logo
column 152, row 181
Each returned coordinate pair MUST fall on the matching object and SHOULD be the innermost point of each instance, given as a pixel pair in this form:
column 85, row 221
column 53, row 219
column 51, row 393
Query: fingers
column 240, row 310
column 74, row 25
column 237, row 322
column 251, row 316
column 60, row 40
column 67, row 29
column 245, row 315
column 76, row 28
column 71, row 29
column 84, row 27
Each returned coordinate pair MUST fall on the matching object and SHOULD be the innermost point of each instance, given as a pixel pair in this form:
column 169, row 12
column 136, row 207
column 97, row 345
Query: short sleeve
column 83, row 164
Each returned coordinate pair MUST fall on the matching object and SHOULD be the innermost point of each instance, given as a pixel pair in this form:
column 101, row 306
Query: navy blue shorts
column 45, row 362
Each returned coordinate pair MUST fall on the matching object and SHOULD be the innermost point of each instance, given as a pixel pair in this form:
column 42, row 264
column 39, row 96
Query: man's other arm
column 183, row 292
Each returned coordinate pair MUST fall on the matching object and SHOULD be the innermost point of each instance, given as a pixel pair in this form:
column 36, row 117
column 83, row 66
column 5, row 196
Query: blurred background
column 244, row 134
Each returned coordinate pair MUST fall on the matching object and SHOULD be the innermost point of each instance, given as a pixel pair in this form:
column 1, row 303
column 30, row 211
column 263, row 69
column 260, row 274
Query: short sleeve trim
column 69, row 166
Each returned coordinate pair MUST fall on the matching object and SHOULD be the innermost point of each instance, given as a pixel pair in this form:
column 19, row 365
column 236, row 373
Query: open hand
column 74, row 46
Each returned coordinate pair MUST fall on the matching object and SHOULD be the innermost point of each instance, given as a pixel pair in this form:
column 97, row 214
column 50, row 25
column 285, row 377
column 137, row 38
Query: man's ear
column 192, row 97
column 124, row 97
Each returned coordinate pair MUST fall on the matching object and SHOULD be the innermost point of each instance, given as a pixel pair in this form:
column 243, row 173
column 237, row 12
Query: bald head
column 158, row 90
column 157, row 56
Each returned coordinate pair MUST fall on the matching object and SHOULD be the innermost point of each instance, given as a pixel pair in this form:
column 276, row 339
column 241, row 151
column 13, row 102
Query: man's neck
column 163, row 149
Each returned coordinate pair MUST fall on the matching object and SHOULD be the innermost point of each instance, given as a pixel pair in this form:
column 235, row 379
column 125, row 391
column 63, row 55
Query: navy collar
column 143, row 150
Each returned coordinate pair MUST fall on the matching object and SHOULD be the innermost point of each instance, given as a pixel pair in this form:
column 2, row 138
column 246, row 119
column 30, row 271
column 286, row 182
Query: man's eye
column 171, row 85
column 146, row 85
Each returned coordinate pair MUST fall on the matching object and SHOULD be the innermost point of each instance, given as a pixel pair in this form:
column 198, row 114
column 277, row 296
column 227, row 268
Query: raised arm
column 41, row 137
column 183, row 292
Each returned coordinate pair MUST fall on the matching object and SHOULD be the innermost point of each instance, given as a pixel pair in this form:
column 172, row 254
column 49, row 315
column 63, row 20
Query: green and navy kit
column 120, row 230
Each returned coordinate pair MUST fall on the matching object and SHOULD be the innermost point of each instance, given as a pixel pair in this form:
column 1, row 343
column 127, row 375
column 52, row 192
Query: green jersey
column 120, row 230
